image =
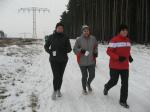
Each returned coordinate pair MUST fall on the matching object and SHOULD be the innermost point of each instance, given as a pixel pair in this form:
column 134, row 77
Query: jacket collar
column 120, row 36
column 58, row 34
column 85, row 37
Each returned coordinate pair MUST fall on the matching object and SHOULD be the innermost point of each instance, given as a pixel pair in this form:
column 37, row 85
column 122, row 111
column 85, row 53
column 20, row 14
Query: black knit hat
column 59, row 24
column 123, row 27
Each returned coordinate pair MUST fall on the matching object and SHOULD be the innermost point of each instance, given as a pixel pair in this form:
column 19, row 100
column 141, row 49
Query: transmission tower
column 34, row 11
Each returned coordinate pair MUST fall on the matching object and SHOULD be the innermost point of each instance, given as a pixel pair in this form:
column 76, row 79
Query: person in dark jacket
column 58, row 45
column 86, row 50
column 119, row 52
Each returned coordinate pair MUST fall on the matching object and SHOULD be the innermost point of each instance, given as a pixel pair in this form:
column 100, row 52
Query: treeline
column 105, row 16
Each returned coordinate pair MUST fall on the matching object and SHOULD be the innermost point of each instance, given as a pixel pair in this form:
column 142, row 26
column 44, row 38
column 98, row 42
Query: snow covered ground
column 26, row 82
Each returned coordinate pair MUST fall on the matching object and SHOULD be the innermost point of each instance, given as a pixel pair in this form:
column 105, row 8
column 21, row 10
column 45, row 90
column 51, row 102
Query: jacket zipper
column 88, row 51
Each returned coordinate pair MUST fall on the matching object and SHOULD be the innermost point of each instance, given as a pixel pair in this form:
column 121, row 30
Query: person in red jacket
column 119, row 53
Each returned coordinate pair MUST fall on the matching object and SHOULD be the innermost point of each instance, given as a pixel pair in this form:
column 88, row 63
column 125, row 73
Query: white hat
column 84, row 27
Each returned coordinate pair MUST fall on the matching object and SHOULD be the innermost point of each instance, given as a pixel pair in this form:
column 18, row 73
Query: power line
column 24, row 34
column 34, row 11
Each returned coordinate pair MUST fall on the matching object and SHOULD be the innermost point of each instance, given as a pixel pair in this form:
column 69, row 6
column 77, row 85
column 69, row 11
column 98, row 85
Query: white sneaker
column 89, row 88
column 54, row 95
column 59, row 93
column 84, row 92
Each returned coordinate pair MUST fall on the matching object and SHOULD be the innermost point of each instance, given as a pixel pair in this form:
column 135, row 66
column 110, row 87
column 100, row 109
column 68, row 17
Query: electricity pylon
column 34, row 11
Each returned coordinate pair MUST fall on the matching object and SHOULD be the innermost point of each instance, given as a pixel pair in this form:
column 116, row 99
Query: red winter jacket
column 119, row 46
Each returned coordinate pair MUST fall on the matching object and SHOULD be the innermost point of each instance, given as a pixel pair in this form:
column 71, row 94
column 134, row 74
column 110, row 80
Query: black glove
column 51, row 51
column 122, row 59
column 130, row 59
column 83, row 51
column 95, row 54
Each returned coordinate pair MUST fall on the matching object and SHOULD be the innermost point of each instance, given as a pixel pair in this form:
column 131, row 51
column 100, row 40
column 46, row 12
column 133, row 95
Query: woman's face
column 124, row 33
column 60, row 29
column 86, row 33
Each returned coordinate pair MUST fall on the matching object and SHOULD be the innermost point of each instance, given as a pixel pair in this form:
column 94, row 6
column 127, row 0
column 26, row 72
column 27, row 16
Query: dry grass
column 18, row 41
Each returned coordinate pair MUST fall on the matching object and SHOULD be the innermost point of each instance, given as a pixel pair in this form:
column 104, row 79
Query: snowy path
column 39, row 83
column 74, row 101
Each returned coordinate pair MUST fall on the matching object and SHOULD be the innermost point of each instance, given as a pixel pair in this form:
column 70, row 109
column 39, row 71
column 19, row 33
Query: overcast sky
column 14, row 23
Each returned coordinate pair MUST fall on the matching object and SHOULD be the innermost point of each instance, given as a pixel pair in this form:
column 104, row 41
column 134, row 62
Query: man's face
column 86, row 33
column 60, row 29
column 124, row 33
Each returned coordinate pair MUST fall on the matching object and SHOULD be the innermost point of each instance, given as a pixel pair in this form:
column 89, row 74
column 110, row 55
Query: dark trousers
column 114, row 76
column 88, row 74
column 58, row 69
